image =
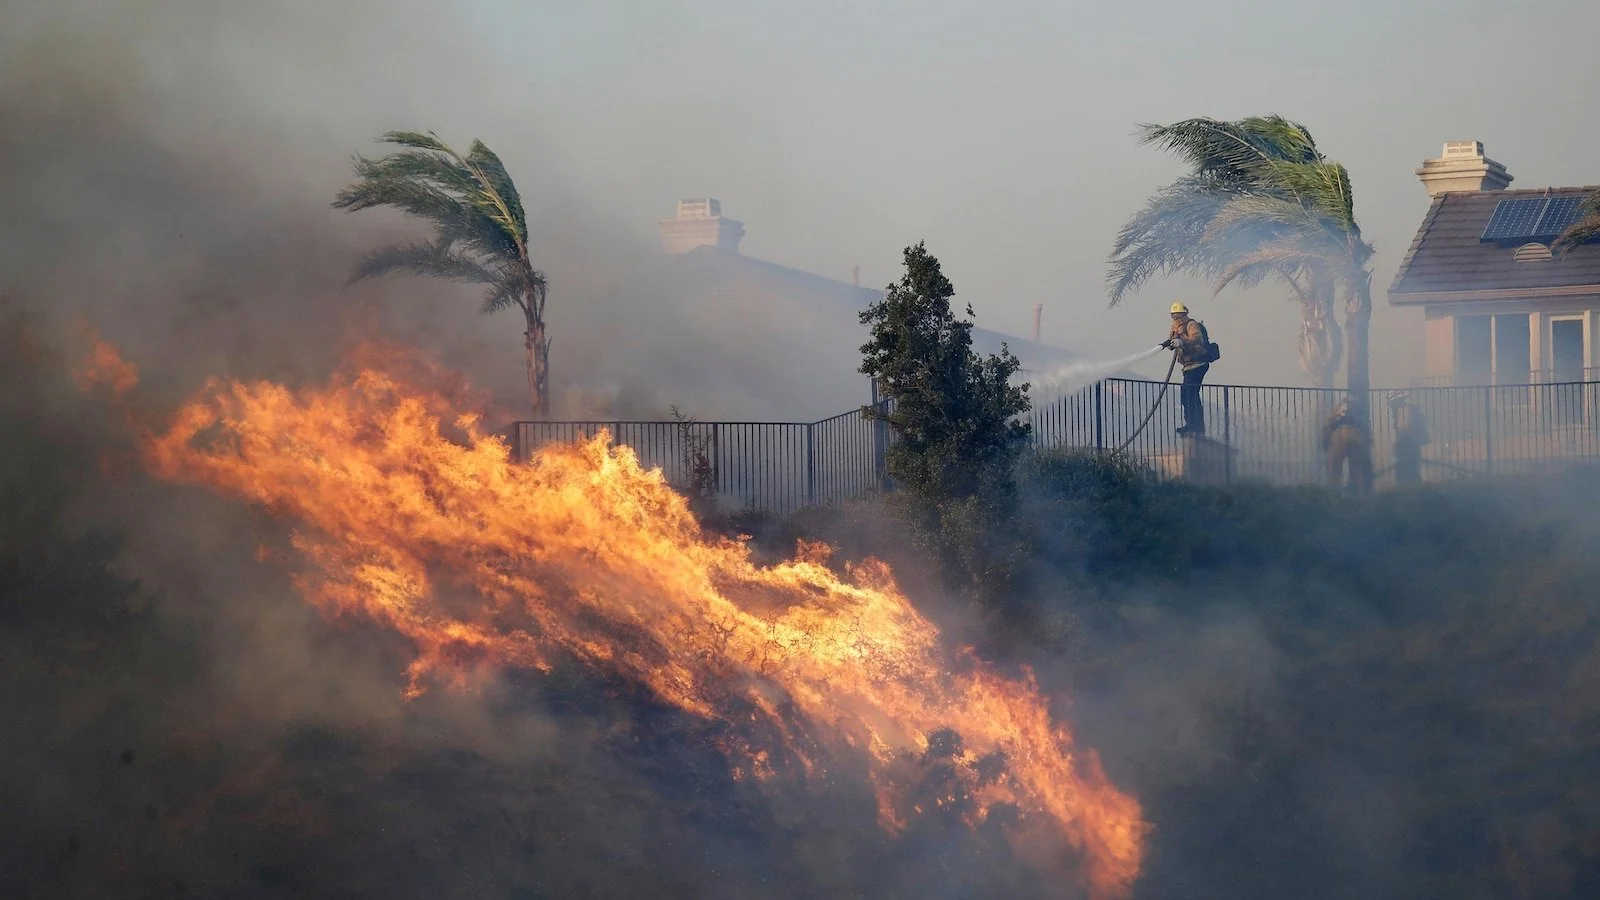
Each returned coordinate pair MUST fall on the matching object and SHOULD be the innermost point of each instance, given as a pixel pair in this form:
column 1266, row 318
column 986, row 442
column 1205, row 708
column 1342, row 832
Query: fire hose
column 1154, row 406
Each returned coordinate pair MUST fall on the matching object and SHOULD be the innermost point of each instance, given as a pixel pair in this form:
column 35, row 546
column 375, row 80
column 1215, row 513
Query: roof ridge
column 1585, row 188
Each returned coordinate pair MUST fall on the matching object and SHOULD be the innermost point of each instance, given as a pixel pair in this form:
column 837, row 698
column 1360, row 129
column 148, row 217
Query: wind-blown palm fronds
column 1261, row 202
column 480, row 232
column 1586, row 228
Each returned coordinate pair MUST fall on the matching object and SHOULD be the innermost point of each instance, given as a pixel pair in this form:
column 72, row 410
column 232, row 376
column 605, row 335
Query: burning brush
column 482, row 563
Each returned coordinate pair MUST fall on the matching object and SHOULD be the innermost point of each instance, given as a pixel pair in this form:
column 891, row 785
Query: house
column 1499, row 307
column 782, row 320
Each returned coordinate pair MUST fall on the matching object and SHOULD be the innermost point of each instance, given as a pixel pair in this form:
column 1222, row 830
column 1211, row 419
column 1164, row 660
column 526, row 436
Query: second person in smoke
column 1189, row 340
column 1410, row 436
column 1346, row 441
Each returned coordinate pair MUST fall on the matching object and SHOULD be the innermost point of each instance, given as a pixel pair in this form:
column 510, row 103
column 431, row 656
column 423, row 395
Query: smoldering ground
column 1319, row 698
column 1313, row 697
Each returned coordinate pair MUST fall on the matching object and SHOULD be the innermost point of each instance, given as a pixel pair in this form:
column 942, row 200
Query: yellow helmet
column 1178, row 308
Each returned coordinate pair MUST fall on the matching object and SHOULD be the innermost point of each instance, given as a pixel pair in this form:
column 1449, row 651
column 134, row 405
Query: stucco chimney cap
column 1458, row 149
column 699, row 208
column 700, row 223
column 1462, row 166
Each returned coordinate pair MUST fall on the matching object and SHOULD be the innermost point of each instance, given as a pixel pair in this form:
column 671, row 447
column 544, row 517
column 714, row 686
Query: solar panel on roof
column 1514, row 219
column 1559, row 214
column 1532, row 218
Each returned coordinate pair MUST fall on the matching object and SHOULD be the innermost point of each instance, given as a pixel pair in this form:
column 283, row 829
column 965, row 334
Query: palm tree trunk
column 1321, row 345
column 1357, row 376
column 538, row 348
column 1320, row 350
column 542, row 371
column 1357, row 323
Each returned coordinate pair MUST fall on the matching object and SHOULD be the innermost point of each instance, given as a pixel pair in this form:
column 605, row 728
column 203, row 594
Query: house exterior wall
column 1440, row 329
column 1439, row 344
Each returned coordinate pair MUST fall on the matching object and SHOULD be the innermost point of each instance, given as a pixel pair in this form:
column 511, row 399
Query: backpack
column 1209, row 352
column 1410, row 426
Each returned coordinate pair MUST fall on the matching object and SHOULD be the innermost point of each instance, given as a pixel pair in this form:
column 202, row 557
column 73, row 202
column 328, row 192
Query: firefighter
column 1195, row 351
column 1346, row 441
column 1410, row 436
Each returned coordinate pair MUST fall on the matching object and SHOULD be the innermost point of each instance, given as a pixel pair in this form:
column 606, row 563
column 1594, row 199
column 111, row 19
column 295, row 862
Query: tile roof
column 1447, row 260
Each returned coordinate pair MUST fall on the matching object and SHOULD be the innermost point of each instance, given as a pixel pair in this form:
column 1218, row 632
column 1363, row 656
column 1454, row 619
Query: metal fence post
column 880, row 435
column 879, row 467
column 716, row 457
column 1099, row 416
column 811, row 465
column 1488, row 430
column 1227, row 434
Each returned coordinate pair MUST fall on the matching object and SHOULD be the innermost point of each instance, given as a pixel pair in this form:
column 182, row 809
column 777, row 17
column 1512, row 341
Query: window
column 1494, row 349
column 1566, row 349
column 1512, row 343
column 1567, row 403
column 1474, row 352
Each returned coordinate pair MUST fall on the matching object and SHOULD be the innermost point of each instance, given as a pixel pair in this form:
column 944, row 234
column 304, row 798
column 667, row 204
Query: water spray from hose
column 1078, row 375
column 1075, row 375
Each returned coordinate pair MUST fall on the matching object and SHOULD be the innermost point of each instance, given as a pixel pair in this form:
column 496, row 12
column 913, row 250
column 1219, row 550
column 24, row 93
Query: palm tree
column 1321, row 340
column 1260, row 202
column 1586, row 228
column 480, row 233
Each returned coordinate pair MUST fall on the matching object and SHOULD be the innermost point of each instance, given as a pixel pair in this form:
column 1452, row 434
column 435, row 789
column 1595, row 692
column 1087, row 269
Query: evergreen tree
column 955, row 436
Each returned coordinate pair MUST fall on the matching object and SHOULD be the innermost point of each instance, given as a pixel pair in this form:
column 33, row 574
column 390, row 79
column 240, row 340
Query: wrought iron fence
column 1274, row 434
column 776, row 467
column 1270, row 434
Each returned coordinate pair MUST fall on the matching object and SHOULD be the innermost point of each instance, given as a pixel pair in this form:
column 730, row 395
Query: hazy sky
column 1002, row 132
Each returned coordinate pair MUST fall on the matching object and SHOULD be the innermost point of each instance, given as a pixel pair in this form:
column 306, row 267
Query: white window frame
column 1494, row 344
column 1494, row 348
column 1549, row 336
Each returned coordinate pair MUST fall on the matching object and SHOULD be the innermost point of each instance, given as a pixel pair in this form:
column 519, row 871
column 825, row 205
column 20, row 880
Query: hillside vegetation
column 1314, row 696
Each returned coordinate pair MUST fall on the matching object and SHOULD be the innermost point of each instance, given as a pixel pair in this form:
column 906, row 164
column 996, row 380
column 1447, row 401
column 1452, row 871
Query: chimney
column 1038, row 311
column 700, row 223
column 1462, row 167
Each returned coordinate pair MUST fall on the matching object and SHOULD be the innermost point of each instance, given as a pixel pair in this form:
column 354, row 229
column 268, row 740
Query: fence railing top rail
column 658, row 422
column 855, row 414
column 848, row 414
column 1375, row 390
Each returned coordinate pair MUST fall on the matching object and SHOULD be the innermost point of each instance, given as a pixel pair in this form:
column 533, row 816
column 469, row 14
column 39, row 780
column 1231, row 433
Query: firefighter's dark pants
column 1194, row 414
column 1407, row 462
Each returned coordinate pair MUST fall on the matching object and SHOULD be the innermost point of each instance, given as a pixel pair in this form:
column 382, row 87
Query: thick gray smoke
column 169, row 169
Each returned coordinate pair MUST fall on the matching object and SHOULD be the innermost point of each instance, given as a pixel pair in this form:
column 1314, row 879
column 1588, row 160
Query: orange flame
column 103, row 365
column 583, row 551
